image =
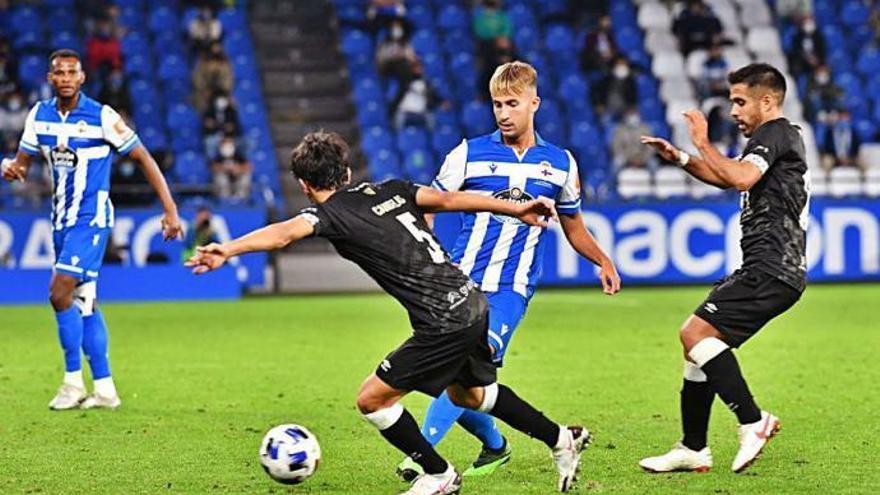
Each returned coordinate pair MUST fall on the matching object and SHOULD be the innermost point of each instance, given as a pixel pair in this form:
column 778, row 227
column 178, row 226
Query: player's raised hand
column 207, row 258
column 664, row 148
column 537, row 211
column 171, row 226
column 11, row 170
column 609, row 277
column 698, row 126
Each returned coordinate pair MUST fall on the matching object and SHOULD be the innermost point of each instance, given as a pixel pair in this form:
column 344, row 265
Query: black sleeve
column 766, row 146
column 319, row 220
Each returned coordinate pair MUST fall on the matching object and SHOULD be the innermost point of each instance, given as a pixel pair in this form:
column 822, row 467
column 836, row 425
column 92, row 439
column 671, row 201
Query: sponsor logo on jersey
column 493, row 168
column 514, row 195
column 389, row 205
column 62, row 156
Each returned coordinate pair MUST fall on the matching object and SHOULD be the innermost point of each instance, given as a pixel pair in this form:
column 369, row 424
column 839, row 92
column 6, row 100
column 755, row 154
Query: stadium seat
column 31, row 70
column 419, row 166
column 654, row 15
column 173, row 67
column 375, row 139
column 844, row 181
column 854, row 12
column 372, row 113
column 668, row 65
column 872, row 182
column 62, row 19
column 384, row 166
column 458, row 42
column 869, row 155
column 163, row 19
column 477, row 118
column 868, row 63
column 138, row 65
column 191, row 167
column 182, row 116
column 25, row 19
column 410, row 138
column 670, row 182
column 452, row 17
column 575, row 91
column 356, row 42
column 633, row 183
column 421, row 16
column 445, row 138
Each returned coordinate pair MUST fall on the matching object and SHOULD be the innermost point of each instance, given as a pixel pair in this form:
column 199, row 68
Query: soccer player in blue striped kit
column 75, row 134
column 502, row 254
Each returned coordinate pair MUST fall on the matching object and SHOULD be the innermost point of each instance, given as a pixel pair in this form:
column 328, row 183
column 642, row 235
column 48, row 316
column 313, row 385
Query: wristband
column 683, row 158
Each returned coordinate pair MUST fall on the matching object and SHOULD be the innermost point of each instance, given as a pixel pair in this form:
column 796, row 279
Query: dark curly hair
column 764, row 75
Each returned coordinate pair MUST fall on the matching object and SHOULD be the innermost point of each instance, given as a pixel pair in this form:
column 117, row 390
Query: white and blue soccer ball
column 290, row 454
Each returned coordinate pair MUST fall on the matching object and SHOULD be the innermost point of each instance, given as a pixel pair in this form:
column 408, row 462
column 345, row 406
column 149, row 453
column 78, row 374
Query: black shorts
column 743, row 302
column 431, row 362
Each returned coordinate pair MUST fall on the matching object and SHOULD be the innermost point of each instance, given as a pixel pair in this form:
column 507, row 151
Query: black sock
column 406, row 436
column 696, row 404
column 727, row 380
column 523, row 417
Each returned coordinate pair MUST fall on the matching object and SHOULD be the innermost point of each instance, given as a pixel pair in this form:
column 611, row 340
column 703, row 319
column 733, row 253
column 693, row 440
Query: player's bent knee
column 463, row 397
column 61, row 292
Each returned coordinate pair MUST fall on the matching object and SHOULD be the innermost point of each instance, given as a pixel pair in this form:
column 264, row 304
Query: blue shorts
column 79, row 251
column 506, row 310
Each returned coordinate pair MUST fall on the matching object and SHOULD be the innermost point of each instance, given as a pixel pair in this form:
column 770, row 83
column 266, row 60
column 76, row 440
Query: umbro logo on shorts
column 710, row 307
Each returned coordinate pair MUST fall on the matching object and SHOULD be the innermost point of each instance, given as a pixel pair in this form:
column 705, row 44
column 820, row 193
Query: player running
column 75, row 134
column 501, row 254
column 775, row 183
column 381, row 228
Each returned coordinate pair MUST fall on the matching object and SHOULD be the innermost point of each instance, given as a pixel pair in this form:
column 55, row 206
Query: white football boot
column 568, row 455
column 97, row 401
column 680, row 458
column 68, row 397
column 446, row 483
column 752, row 439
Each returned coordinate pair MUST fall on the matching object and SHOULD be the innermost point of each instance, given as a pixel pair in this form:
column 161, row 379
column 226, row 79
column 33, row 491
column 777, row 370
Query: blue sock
column 94, row 343
column 442, row 414
column 70, row 333
column 482, row 426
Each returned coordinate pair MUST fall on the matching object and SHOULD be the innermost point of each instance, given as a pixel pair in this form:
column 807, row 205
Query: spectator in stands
column 501, row 52
column 395, row 54
column 807, row 48
column 232, row 171
column 625, row 144
column 382, row 13
column 114, row 91
column 221, row 119
column 823, row 95
column 8, row 69
column 13, row 113
column 201, row 233
column 415, row 100
column 712, row 82
column 599, row 49
column 491, row 22
column 212, row 74
column 874, row 22
column 615, row 92
column 697, row 27
column 103, row 51
column 841, row 143
column 204, row 30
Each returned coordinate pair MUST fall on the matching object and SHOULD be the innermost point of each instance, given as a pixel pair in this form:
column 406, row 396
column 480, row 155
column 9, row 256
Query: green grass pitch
column 201, row 382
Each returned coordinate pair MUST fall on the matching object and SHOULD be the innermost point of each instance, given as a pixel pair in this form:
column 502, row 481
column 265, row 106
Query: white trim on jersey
column 475, row 242
column 451, row 174
column 69, row 130
column 518, row 172
column 521, row 276
column 60, row 197
column 80, row 175
column 492, row 275
column 71, row 268
column 101, row 210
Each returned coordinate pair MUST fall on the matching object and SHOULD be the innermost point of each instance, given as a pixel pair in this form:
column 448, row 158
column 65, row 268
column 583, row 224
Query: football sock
column 696, row 404
column 719, row 364
column 70, row 333
column 398, row 426
column 441, row 415
column 504, row 404
column 74, row 378
column 105, row 387
column 95, row 344
column 483, row 427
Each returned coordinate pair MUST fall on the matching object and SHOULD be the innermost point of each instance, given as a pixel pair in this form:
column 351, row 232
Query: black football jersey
column 775, row 211
column 381, row 229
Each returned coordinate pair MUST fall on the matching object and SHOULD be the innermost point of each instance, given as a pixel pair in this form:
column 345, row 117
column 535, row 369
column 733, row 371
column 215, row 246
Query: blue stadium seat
column 232, row 20
column 553, row 131
column 186, row 139
column 410, row 138
column 24, row 19
column 29, row 41
column 424, row 42
column 65, row 39
column 173, row 67
column 152, row 137
column 135, row 42
column 163, row 19
column 854, row 13
column 421, row 16
column 31, row 70
column 575, row 91
column 138, row 65
column 191, row 167
column 453, row 16
column 458, row 41
column 522, row 17
column 351, row 14
column 419, row 166
column 169, row 42
column 526, row 36
column 356, row 42
column 385, row 166
column 629, row 40
column 372, row 113
column 552, row 8
column 59, row 4
column 62, row 19
column 182, row 116
column 444, row 138
column 237, row 42
column 584, row 135
column 375, row 139
column 368, row 89
column 477, row 118
column 868, row 62
column 866, row 129
column 559, row 39
column 446, row 117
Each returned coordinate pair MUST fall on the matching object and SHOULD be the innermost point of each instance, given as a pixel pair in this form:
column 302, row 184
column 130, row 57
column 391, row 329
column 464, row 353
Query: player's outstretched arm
column 694, row 166
column 533, row 212
column 585, row 244
column 741, row 175
column 271, row 237
column 16, row 168
column 171, row 226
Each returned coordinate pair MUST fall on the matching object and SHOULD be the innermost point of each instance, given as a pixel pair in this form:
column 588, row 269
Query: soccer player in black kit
column 381, row 228
column 773, row 178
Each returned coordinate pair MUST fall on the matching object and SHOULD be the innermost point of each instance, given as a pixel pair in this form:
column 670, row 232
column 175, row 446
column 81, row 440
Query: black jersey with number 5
column 381, row 229
column 775, row 211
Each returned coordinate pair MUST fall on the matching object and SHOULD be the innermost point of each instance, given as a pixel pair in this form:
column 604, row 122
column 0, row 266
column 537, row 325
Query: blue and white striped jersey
column 498, row 252
column 77, row 146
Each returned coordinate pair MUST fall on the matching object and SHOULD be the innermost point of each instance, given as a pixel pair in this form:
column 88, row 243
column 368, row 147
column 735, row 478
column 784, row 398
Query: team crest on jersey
column 62, row 156
column 515, row 195
column 81, row 127
column 546, row 168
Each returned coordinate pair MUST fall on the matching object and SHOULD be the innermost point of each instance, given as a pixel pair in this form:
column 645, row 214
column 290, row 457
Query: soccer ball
column 290, row 454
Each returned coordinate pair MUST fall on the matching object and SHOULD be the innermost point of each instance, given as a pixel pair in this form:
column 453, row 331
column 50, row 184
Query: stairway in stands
column 305, row 83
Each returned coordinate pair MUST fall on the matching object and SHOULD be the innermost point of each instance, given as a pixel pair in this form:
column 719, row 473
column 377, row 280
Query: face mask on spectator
column 14, row 104
column 621, row 71
column 396, row 32
column 822, row 77
column 227, row 149
column 222, row 103
column 632, row 119
column 809, row 27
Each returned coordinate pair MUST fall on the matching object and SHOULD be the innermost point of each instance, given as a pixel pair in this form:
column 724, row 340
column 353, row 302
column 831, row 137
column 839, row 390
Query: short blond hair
column 513, row 78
